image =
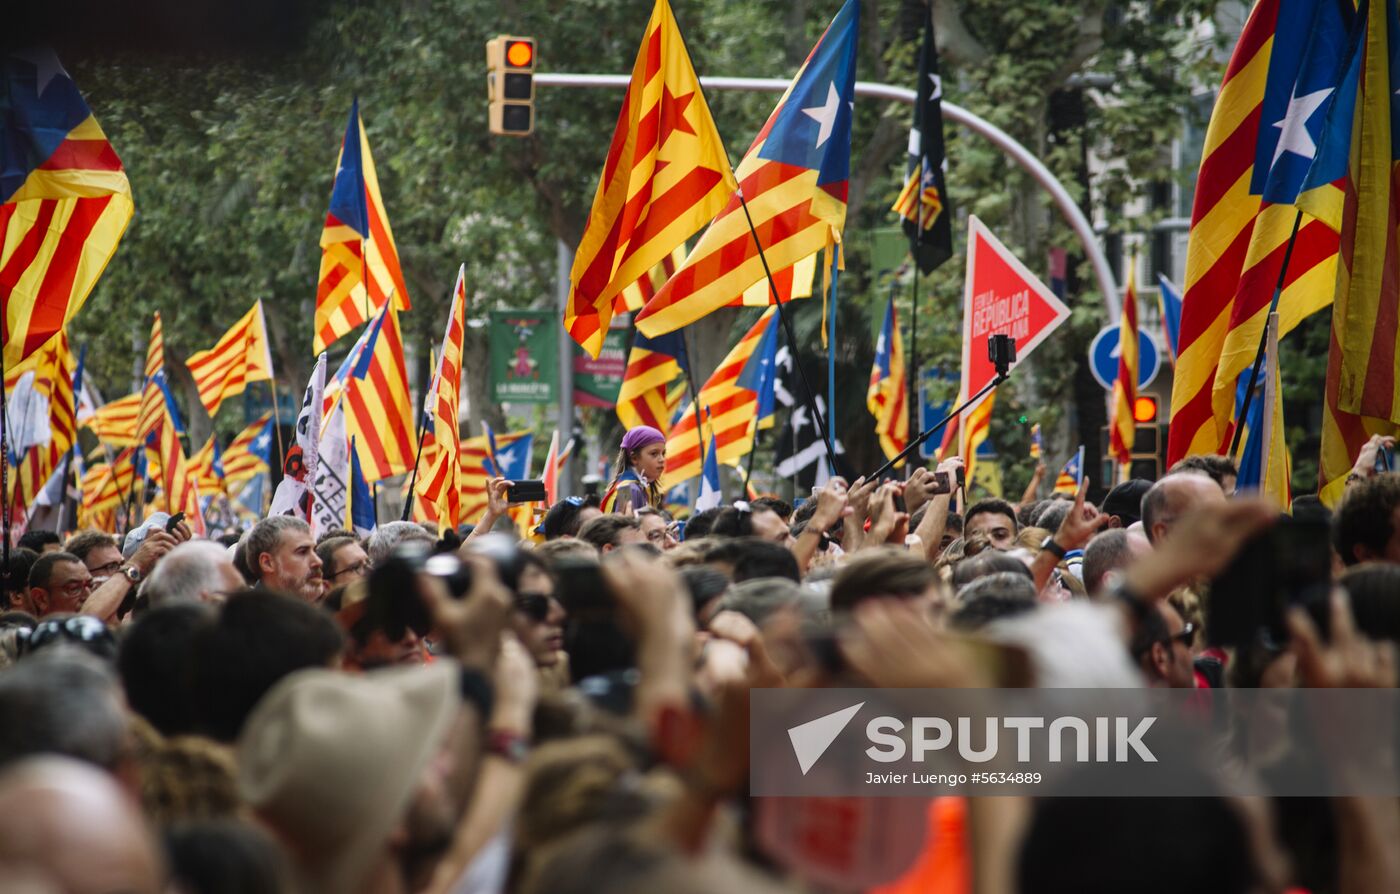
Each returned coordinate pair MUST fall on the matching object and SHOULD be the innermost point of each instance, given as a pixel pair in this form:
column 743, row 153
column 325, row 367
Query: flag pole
column 792, row 339
column 831, row 339
column 413, row 479
column 1264, row 338
column 694, row 397
column 913, row 393
column 4, row 479
column 277, row 423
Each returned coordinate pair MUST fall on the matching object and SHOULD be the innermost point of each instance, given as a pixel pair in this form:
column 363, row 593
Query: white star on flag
column 1294, row 136
column 825, row 114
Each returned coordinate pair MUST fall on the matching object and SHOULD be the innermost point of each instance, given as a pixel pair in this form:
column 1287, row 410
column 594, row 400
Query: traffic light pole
column 1009, row 146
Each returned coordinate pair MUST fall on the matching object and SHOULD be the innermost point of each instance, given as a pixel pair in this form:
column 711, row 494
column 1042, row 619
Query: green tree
column 231, row 165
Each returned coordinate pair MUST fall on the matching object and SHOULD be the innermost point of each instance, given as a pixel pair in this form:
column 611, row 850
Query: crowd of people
column 473, row 711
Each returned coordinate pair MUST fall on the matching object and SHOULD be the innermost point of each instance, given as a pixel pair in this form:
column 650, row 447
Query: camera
column 1001, row 350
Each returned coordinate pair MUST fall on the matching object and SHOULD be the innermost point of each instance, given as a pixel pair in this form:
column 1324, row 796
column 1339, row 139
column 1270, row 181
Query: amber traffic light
column 510, row 85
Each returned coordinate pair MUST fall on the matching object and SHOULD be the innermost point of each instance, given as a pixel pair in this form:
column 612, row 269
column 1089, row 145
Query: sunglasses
column 534, row 606
column 1185, row 637
column 81, row 630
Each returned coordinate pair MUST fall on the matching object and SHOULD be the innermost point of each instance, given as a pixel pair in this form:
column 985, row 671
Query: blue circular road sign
column 1103, row 357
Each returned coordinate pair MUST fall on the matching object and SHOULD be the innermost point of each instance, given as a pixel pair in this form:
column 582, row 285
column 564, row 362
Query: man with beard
column 281, row 555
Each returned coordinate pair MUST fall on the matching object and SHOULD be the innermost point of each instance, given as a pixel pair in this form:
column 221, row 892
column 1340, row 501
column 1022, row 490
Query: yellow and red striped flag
column 794, row 179
column 114, row 422
column 378, row 411
column 1234, row 253
column 665, row 177
column 168, row 465
column 966, row 432
column 64, row 202
column 1122, row 427
column 359, row 262
column 105, row 487
column 1362, row 392
column 242, row 355
column 152, row 395
column 729, row 410
column 886, row 396
column 442, row 485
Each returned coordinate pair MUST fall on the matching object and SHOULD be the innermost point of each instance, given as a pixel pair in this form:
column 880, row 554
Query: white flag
column 332, row 473
column 293, row 496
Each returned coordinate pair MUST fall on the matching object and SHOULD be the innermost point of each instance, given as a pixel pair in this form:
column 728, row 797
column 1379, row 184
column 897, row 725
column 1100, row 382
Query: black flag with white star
column 923, row 203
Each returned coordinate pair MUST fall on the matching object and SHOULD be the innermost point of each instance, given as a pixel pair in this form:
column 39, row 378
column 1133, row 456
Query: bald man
column 1173, row 497
column 67, row 826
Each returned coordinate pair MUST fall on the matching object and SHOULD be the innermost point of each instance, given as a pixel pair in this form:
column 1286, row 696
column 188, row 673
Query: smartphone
column 528, row 491
column 1384, row 461
column 943, row 483
column 1289, row 564
column 174, row 522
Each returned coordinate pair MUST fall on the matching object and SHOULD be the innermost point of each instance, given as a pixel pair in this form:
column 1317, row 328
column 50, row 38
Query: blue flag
column 362, row 514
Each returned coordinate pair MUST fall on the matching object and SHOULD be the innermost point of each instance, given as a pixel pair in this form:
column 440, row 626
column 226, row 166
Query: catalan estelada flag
column 152, row 393
column 206, row 467
column 378, row 412
column 477, row 465
column 1238, row 234
column 242, row 355
column 42, row 418
column 249, row 453
column 794, row 178
column 887, row 397
column 1122, row 427
column 728, row 409
column 1352, row 186
column 168, row 464
column 1037, row 441
column 665, row 177
column 1072, row 475
column 652, row 386
column 923, row 202
column 442, row 483
column 976, row 427
column 359, row 262
column 64, row 201
column 1169, row 303
column 114, row 422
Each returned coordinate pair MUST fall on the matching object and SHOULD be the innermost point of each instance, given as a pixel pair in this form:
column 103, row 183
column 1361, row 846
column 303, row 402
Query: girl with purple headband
column 640, row 462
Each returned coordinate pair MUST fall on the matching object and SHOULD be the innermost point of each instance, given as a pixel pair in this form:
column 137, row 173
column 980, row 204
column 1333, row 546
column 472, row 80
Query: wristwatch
column 132, row 573
column 1049, row 544
column 508, row 744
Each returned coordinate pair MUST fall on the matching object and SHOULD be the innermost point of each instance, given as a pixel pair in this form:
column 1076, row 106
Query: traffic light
column 1147, row 441
column 510, row 84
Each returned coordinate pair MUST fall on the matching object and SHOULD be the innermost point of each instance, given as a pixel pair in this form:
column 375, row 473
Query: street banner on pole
column 524, row 356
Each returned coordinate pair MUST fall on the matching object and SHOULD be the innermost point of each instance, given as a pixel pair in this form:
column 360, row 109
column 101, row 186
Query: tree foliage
column 231, row 163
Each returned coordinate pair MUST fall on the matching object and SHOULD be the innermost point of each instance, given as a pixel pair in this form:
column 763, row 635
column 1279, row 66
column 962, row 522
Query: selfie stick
column 1003, row 363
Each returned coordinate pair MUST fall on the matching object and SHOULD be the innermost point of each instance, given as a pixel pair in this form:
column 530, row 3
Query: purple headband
column 641, row 436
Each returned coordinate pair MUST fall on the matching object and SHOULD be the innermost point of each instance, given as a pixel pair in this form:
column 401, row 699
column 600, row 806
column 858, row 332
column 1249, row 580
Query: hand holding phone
column 530, row 490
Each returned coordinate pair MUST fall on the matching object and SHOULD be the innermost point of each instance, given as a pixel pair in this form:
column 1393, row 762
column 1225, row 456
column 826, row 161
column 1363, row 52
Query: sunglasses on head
column 80, row 630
